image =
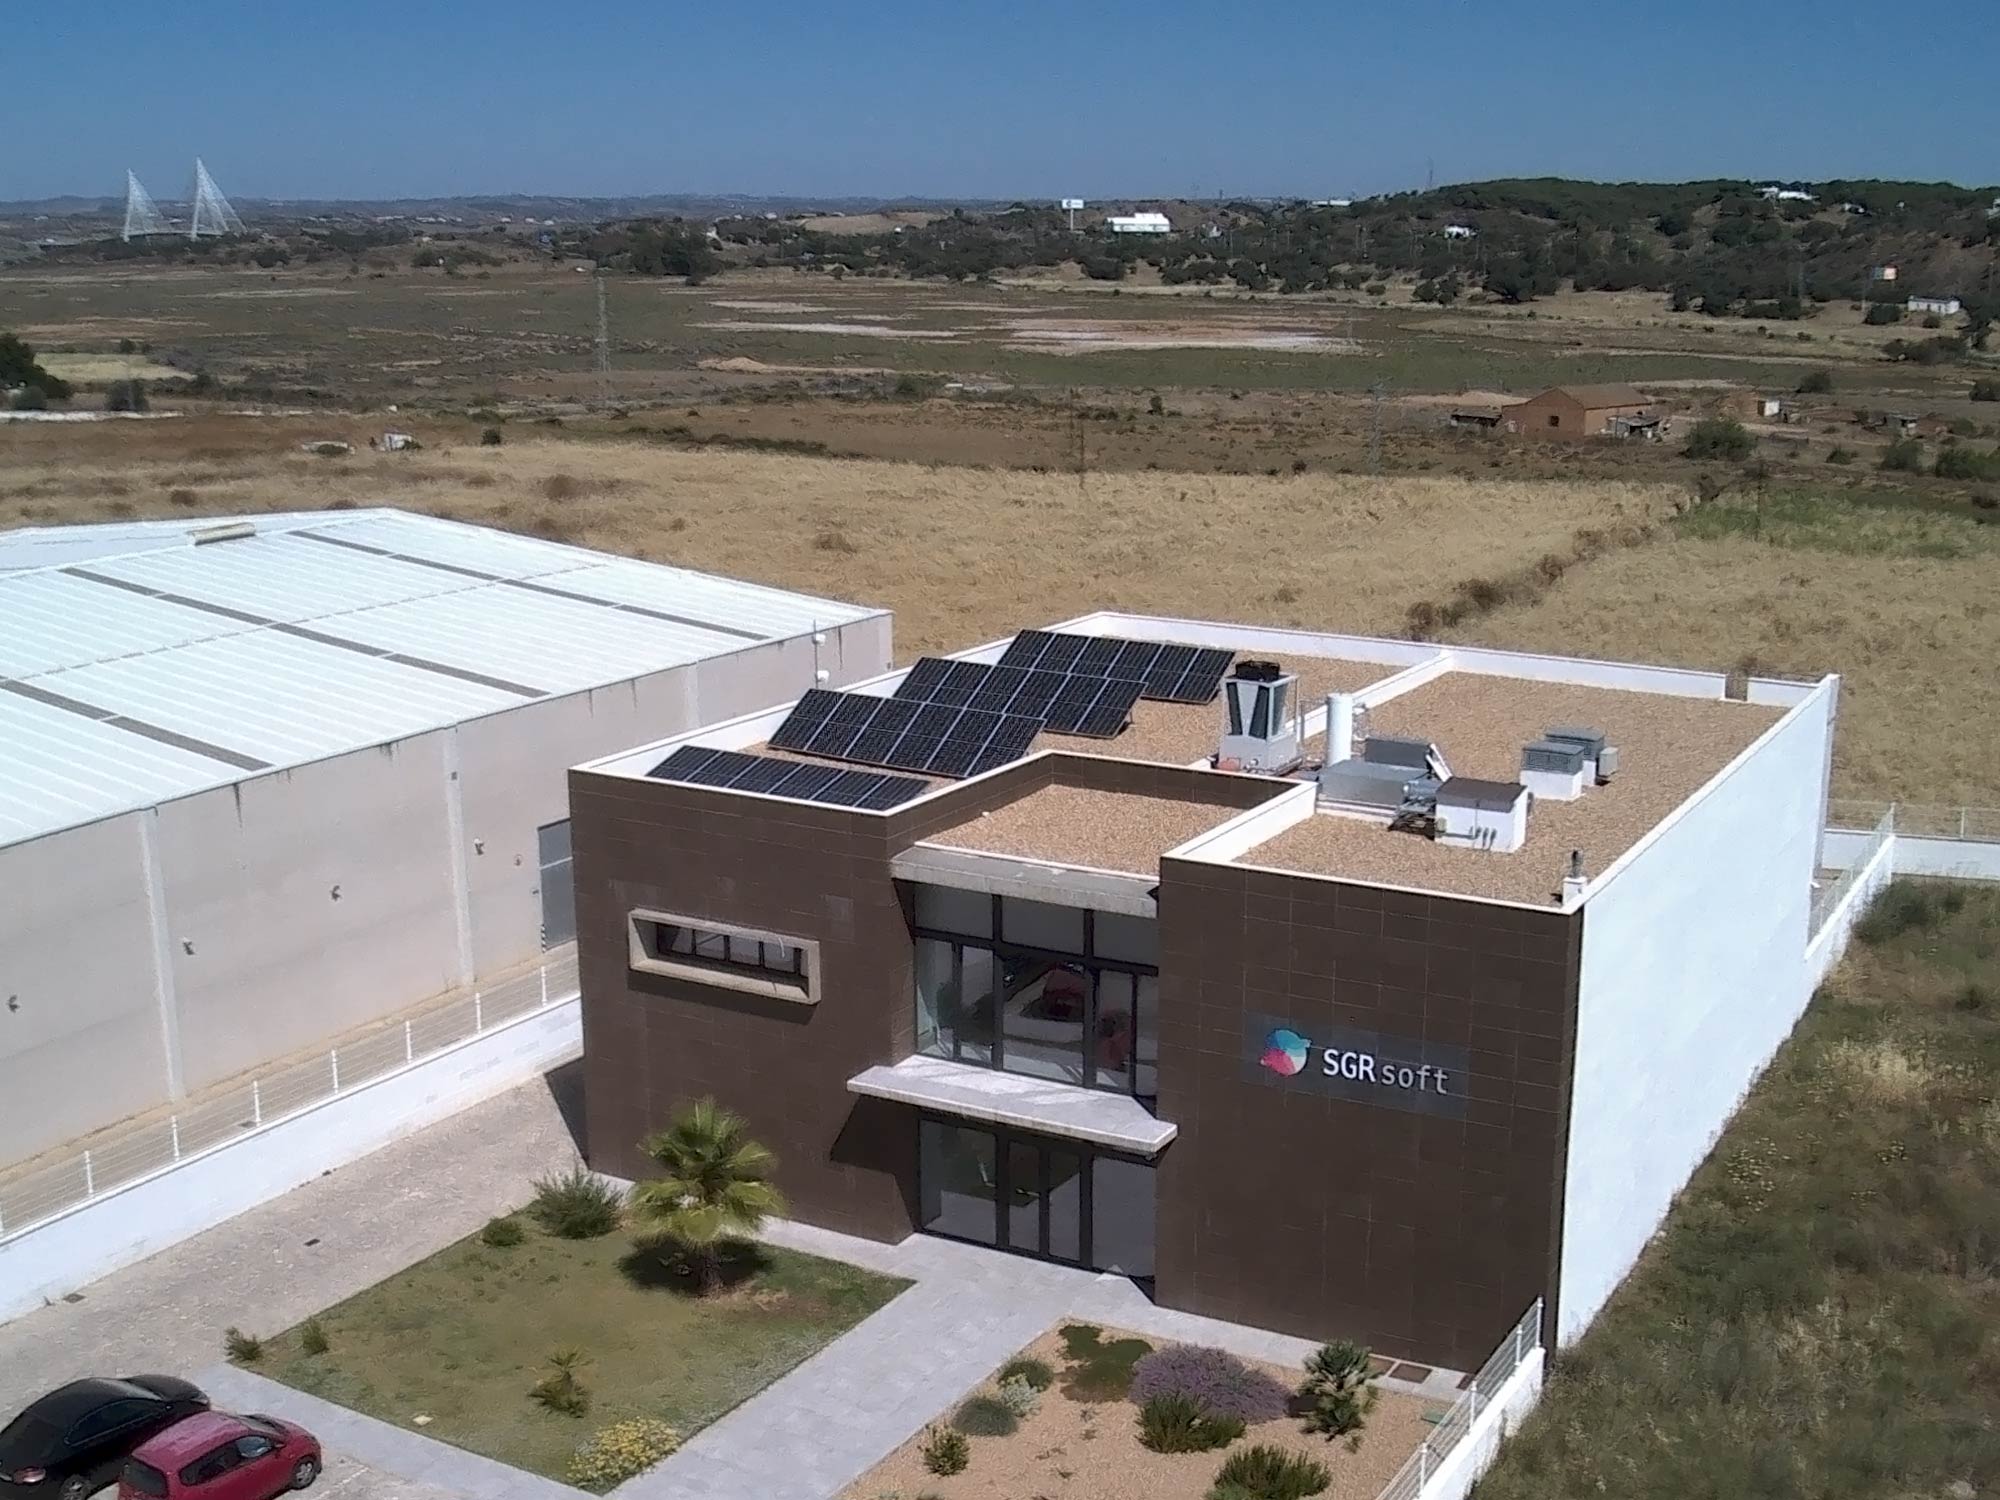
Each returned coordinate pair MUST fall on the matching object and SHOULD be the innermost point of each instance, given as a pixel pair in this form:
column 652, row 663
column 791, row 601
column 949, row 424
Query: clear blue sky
column 287, row 98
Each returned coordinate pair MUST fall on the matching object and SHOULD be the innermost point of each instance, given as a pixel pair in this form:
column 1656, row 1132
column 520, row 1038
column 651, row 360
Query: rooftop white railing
column 121, row 1158
column 1453, row 1427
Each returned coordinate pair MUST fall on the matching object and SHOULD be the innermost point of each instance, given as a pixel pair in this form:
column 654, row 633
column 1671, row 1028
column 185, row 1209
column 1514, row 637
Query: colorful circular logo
column 1285, row 1052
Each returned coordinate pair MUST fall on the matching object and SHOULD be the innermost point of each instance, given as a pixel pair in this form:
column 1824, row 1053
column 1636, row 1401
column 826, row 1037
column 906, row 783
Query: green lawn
column 1821, row 1317
column 462, row 1336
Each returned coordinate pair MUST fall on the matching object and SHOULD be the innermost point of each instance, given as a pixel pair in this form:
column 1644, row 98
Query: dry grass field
column 1906, row 617
column 1895, row 596
column 961, row 555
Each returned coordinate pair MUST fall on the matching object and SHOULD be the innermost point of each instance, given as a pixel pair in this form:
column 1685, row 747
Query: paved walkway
column 267, row 1269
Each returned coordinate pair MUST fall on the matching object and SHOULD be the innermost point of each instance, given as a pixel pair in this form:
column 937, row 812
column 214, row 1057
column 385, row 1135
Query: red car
column 215, row 1456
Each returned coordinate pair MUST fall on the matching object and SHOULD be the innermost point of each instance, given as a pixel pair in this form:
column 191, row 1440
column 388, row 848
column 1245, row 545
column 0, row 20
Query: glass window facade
column 1062, row 993
column 1037, row 1195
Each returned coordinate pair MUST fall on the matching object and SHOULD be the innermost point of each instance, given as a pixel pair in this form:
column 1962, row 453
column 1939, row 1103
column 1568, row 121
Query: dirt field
column 962, row 555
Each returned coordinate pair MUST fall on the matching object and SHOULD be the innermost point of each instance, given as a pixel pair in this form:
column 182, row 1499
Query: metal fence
column 1924, row 820
column 120, row 1159
column 1826, row 900
column 1453, row 1427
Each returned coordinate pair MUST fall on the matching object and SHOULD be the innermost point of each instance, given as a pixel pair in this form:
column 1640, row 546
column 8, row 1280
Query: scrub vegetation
column 1818, row 1318
column 571, row 1357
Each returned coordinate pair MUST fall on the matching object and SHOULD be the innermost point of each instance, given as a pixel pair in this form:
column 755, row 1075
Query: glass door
column 1033, row 1195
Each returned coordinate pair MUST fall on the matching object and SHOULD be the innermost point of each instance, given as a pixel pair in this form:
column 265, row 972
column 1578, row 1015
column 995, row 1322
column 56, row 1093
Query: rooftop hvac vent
column 1258, row 671
column 1592, row 740
column 1561, row 757
column 1260, row 731
column 232, row 531
column 1396, row 750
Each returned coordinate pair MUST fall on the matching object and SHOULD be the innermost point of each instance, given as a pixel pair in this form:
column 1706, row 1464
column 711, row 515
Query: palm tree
column 715, row 1187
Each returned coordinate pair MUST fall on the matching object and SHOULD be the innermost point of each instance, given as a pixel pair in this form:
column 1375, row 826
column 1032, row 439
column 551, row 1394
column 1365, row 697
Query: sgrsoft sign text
column 1365, row 1066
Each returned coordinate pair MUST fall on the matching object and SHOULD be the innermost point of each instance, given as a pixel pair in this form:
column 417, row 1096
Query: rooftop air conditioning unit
column 1593, row 742
column 1479, row 814
column 1260, row 732
column 1420, row 756
column 1553, row 769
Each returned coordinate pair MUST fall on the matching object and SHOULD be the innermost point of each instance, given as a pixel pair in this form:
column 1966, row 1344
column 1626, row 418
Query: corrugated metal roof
column 136, row 666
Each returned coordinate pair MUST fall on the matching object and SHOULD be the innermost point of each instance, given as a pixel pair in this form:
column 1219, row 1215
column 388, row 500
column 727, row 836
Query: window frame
column 1093, row 967
column 739, row 958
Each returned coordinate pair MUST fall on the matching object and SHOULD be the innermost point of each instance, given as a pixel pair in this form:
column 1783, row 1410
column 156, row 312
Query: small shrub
column 1966, row 463
column 1035, row 1372
column 1881, row 314
column 1019, row 1397
column 615, row 1453
column 1719, row 437
column 1816, row 383
column 502, row 1232
column 1986, row 390
column 1336, row 1394
column 490, row 438
column 1266, row 1473
column 1175, row 1423
column 985, row 1416
column 1839, row 455
column 562, row 487
column 1906, row 906
column 126, row 395
column 832, row 539
column 1156, row 407
column 312, row 1337
column 1904, row 456
column 1219, row 1384
column 561, row 1390
column 576, row 1206
column 243, row 1348
column 31, row 398
column 946, row 1451
column 1097, row 1370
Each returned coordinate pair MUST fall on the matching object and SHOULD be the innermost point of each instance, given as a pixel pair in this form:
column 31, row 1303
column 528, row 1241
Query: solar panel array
column 1172, row 674
column 932, row 738
column 1066, row 702
column 699, row 766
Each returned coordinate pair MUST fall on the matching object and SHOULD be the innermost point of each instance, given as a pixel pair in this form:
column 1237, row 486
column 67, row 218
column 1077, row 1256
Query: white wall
column 430, row 841
column 1837, row 928
column 305, row 902
column 126, row 1226
column 79, row 1020
column 1459, row 1469
column 1693, row 971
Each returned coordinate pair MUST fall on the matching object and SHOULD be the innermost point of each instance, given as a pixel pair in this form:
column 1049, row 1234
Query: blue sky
column 1099, row 98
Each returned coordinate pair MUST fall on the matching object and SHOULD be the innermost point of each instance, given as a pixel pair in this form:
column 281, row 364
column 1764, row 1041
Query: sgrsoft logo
column 1285, row 1052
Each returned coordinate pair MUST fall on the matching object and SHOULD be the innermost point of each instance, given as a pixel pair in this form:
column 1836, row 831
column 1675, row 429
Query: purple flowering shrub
column 1220, row 1383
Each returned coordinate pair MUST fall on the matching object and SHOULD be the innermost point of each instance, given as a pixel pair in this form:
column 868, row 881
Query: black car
column 72, row 1442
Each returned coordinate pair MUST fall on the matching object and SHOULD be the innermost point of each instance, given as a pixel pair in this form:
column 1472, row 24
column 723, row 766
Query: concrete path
column 322, row 1243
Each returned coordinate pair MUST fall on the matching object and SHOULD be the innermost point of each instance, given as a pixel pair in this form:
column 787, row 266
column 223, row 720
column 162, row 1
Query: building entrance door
column 1035, row 1195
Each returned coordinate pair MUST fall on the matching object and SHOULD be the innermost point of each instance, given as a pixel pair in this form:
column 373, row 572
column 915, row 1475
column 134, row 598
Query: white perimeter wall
column 1693, row 971
column 1460, row 1469
column 124, row 1227
column 206, row 934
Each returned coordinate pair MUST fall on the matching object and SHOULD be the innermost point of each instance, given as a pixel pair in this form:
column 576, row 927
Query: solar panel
column 1171, row 673
column 925, row 675
column 697, row 765
column 1102, row 714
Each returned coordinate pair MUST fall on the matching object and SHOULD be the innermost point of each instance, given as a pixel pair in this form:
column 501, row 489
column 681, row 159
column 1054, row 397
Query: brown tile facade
column 1422, row 1235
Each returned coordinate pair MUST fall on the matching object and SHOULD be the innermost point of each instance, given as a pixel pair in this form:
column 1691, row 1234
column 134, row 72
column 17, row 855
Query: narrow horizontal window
column 725, row 957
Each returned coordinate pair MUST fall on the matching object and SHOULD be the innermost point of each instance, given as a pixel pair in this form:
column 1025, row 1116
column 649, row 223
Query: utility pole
column 603, row 346
column 1082, row 441
column 1375, row 428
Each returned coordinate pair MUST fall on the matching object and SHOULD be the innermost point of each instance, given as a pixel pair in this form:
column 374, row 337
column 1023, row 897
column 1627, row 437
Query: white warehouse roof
column 137, row 665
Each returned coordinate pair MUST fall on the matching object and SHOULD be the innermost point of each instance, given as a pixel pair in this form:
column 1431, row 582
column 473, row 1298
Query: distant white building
column 1460, row 232
column 1333, row 203
column 1881, row 273
column 1778, row 194
column 1139, row 223
column 1942, row 306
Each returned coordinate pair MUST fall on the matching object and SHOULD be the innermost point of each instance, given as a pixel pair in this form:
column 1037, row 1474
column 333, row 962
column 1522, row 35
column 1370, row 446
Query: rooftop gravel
column 1668, row 747
column 1101, row 830
column 1180, row 733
